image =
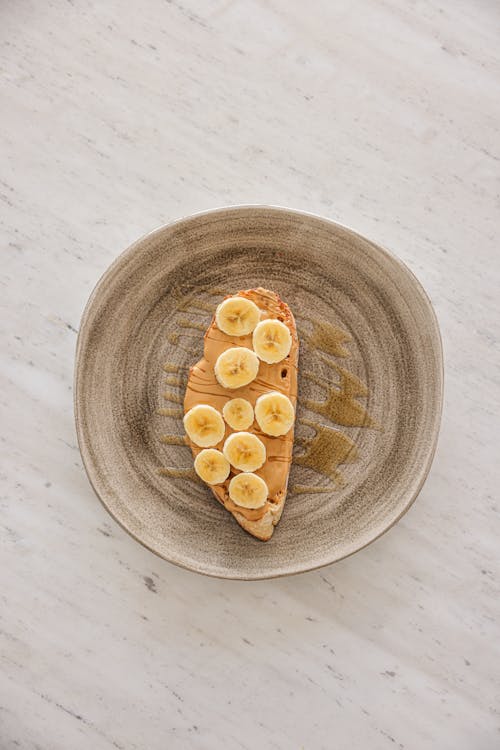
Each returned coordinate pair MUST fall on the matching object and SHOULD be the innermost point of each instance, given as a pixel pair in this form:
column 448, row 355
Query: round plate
column 370, row 387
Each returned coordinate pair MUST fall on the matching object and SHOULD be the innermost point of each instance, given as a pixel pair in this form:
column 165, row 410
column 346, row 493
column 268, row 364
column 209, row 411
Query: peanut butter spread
column 203, row 388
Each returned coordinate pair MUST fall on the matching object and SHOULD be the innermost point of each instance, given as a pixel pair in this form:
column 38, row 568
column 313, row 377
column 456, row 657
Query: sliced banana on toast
column 244, row 451
column 240, row 407
column 271, row 341
column 212, row 466
column 237, row 316
column 236, row 367
column 204, row 425
column 274, row 413
column 238, row 413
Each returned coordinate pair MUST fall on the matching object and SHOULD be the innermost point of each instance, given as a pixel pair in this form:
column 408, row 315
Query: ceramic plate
column 370, row 387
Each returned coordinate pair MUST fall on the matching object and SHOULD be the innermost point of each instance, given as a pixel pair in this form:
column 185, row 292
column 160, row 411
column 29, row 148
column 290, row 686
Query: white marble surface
column 117, row 117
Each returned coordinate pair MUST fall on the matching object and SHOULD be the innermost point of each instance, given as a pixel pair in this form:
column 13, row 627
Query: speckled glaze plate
column 370, row 387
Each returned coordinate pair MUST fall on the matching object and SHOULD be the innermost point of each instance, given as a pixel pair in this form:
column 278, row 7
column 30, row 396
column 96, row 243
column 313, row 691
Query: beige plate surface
column 370, row 387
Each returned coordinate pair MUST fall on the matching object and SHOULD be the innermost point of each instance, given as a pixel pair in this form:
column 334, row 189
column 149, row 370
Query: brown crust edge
column 263, row 528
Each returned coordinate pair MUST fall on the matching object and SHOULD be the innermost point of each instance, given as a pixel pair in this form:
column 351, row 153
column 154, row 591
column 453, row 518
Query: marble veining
column 119, row 117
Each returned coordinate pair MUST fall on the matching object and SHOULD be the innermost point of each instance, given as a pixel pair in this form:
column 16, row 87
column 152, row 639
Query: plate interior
column 370, row 383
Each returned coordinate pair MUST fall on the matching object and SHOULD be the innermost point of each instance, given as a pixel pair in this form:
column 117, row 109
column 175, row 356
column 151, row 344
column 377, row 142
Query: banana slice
column 245, row 451
column 204, row 425
column 238, row 413
column 237, row 316
column 212, row 466
column 272, row 341
column 236, row 367
column 248, row 490
column 274, row 413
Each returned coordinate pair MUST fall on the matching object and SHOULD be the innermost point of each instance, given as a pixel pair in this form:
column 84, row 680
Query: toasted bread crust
column 203, row 387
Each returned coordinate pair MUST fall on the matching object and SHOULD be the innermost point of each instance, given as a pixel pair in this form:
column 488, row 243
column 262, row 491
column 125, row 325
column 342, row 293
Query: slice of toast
column 203, row 388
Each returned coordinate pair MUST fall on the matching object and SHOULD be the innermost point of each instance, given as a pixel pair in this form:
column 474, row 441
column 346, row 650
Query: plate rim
column 279, row 209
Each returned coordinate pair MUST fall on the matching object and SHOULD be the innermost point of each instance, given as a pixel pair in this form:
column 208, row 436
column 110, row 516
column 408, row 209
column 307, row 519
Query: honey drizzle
column 171, row 471
column 174, row 398
column 173, row 439
column 174, row 337
column 173, row 380
column 184, row 323
column 325, row 451
column 168, row 412
column 340, row 404
column 327, row 337
column 170, row 367
column 193, row 304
